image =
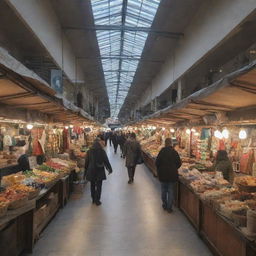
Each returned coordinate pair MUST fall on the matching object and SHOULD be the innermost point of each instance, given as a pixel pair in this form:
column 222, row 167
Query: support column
column 179, row 92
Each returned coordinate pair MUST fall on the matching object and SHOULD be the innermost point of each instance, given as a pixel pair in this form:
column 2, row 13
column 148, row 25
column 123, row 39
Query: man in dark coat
column 168, row 162
column 115, row 141
column 95, row 163
column 132, row 151
column 121, row 142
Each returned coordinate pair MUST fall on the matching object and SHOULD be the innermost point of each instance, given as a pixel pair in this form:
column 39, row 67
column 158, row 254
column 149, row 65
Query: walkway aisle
column 130, row 222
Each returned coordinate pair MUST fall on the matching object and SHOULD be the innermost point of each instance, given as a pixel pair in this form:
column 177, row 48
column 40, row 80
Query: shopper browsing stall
column 223, row 164
column 23, row 161
column 132, row 151
column 95, row 163
column 168, row 162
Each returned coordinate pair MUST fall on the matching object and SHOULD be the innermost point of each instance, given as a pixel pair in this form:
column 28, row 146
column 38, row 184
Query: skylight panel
column 120, row 47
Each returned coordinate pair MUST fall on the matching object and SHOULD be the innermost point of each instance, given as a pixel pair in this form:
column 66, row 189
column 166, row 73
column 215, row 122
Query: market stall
column 218, row 118
column 38, row 131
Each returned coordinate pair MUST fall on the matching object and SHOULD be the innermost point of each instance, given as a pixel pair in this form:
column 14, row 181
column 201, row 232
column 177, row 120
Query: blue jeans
column 167, row 194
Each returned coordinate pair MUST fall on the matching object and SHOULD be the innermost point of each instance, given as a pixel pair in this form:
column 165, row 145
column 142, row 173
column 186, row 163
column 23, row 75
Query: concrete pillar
column 179, row 92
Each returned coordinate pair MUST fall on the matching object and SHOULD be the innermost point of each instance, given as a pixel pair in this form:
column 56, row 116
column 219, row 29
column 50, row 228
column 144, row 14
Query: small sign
column 32, row 162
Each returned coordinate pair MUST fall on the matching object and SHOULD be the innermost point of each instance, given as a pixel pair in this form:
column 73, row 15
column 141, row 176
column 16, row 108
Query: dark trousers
column 122, row 149
column 131, row 172
column 167, row 194
column 96, row 190
column 115, row 147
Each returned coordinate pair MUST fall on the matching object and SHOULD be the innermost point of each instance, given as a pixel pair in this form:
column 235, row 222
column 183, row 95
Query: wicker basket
column 3, row 210
column 17, row 204
column 249, row 189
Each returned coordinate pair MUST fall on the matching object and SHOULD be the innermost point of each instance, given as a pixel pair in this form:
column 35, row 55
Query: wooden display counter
column 220, row 234
column 149, row 162
column 16, row 228
column 21, row 228
column 189, row 203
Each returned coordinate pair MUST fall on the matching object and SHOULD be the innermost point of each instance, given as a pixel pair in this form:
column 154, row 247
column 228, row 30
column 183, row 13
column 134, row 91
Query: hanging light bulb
column 193, row 130
column 71, row 126
column 29, row 126
column 218, row 134
column 163, row 129
column 66, row 127
column 196, row 133
column 188, row 131
column 242, row 134
column 225, row 133
column 172, row 130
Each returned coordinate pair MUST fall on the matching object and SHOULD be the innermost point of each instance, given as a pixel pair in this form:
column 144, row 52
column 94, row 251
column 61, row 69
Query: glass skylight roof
column 121, row 41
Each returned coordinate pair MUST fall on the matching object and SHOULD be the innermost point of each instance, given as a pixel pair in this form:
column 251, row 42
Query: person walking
column 106, row 137
column 95, row 163
column 132, row 151
column 168, row 162
column 121, row 142
column 115, row 141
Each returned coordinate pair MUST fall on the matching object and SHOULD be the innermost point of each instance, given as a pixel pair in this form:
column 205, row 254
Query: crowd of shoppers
column 167, row 163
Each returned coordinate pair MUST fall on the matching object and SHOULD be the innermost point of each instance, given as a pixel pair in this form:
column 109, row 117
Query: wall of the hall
column 39, row 16
column 214, row 22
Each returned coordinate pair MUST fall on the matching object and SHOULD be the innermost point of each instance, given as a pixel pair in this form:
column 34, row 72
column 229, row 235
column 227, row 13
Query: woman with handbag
column 132, row 153
column 95, row 163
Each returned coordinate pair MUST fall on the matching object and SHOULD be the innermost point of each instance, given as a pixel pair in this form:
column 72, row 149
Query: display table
column 21, row 228
column 149, row 161
column 220, row 234
column 189, row 203
column 16, row 230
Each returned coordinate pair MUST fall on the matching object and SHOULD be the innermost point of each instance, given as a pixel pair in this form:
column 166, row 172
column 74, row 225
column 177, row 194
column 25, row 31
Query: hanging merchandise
column 36, row 134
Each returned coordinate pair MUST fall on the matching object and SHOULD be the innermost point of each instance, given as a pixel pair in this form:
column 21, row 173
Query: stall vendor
column 223, row 164
column 23, row 161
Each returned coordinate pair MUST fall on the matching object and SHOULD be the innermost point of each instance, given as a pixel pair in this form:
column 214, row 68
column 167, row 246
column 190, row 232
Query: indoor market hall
column 130, row 221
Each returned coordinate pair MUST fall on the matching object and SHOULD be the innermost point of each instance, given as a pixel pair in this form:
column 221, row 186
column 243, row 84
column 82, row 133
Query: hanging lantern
column 30, row 126
column 225, row 133
column 218, row 134
column 188, row 131
column 242, row 134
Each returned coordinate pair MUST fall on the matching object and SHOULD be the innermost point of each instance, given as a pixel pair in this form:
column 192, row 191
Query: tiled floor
column 129, row 222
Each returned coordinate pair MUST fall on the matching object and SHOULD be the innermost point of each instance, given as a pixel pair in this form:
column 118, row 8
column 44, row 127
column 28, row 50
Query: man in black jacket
column 168, row 162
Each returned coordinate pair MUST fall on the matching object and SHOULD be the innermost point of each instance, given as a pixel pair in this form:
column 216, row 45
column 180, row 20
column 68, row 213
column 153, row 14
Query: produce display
column 233, row 202
column 20, row 187
column 7, row 158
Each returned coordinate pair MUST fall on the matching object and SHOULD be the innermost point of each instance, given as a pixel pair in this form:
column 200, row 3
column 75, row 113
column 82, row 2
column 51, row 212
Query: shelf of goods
column 219, row 211
column 28, row 202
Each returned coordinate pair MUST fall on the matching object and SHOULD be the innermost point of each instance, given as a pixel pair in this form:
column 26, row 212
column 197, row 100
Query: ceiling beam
column 124, row 10
column 117, row 57
column 127, row 28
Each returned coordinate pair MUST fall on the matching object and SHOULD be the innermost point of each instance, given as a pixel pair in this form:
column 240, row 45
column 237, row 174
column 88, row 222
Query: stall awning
column 234, row 92
column 21, row 89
